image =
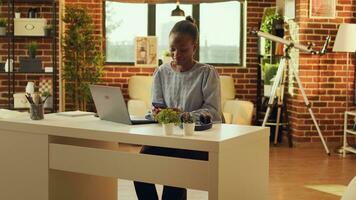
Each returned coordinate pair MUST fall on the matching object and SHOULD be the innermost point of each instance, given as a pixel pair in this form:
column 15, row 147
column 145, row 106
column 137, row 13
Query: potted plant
column 3, row 24
column 188, row 121
column 270, row 70
column 48, row 30
column 47, row 99
column 17, row 13
column 83, row 59
column 32, row 49
column 168, row 118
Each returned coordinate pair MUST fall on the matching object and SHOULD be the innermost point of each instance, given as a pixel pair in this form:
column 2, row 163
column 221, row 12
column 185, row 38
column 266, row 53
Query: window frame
column 151, row 31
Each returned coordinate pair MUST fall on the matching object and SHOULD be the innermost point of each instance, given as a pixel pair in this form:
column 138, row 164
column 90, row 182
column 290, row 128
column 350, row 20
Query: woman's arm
column 211, row 95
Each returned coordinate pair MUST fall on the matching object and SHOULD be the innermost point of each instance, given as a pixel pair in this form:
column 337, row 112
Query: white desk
column 77, row 158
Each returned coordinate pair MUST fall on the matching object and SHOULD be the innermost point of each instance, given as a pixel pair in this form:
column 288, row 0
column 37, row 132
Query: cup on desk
column 36, row 111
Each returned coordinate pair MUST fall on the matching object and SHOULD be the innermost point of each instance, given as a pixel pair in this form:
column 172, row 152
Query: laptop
column 111, row 106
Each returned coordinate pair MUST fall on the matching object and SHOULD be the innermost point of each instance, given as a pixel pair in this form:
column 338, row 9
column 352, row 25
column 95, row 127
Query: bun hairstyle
column 190, row 18
column 188, row 27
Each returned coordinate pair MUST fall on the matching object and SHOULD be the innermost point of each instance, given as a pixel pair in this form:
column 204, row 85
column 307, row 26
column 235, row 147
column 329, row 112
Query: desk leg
column 240, row 169
column 24, row 166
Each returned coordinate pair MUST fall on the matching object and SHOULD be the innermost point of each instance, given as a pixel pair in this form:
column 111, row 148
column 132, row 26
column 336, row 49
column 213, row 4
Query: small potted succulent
column 32, row 49
column 48, row 30
column 188, row 121
column 168, row 118
column 47, row 99
column 17, row 13
column 3, row 24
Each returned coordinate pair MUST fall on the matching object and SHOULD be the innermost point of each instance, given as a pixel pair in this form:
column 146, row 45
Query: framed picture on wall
column 322, row 9
column 146, row 51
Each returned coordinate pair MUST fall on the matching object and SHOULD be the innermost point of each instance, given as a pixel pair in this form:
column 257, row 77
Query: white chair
column 139, row 88
column 350, row 193
column 235, row 111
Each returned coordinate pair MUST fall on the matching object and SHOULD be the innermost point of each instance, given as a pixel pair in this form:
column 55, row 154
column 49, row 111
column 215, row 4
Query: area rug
column 337, row 190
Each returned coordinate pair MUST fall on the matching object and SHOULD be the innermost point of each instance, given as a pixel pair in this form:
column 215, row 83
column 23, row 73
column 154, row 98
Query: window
column 220, row 31
column 164, row 24
column 220, row 26
column 123, row 22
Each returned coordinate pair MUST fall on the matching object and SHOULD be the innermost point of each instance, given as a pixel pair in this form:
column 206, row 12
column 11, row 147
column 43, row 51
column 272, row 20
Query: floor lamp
column 346, row 42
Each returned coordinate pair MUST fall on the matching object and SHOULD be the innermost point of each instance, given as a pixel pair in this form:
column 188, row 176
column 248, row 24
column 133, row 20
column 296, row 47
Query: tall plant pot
column 2, row 30
column 168, row 128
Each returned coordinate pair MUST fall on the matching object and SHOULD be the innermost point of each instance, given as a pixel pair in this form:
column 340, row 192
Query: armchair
column 234, row 111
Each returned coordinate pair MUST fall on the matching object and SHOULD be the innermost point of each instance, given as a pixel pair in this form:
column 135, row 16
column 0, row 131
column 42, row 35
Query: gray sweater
column 195, row 90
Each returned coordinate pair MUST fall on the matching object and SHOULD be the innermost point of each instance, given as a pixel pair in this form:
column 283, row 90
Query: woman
column 189, row 86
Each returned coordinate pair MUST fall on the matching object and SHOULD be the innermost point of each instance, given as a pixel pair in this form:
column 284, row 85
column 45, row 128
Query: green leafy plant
column 46, row 94
column 168, row 115
column 270, row 70
column 186, row 117
column 48, row 29
column 82, row 56
column 3, row 22
column 32, row 49
column 17, row 10
column 267, row 24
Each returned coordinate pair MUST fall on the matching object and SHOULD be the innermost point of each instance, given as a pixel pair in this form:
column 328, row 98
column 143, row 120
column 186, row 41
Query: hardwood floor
column 293, row 168
column 290, row 170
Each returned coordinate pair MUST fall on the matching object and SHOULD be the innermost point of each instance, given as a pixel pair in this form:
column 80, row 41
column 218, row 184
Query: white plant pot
column 17, row 15
column 48, row 103
column 267, row 90
column 2, row 30
column 188, row 129
column 168, row 128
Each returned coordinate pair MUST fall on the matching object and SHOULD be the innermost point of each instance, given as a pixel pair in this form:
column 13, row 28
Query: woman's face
column 182, row 48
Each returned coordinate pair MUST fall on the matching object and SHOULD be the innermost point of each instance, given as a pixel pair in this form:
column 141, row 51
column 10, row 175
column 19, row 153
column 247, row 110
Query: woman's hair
column 188, row 27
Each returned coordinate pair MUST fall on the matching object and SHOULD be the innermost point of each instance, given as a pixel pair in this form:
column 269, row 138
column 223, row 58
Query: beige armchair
column 234, row 111
column 140, row 95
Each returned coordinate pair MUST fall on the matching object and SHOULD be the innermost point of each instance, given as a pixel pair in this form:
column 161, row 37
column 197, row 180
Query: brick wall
column 327, row 80
column 44, row 51
column 245, row 78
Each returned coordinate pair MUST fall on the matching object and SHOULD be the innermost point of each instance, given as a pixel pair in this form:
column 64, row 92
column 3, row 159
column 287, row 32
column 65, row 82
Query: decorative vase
column 168, row 128
column 17, row 15
column 188, row 129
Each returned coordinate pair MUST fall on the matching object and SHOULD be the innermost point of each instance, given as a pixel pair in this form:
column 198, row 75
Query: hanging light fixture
column 178, row 11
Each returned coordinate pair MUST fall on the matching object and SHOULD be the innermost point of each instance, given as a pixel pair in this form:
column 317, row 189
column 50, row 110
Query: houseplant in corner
column 168, row 118
column 3, row 24
column 270, row 71
column 32, row 49
column 82, row 56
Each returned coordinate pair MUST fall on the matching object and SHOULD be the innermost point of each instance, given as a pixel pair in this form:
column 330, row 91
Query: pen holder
column 36, row 111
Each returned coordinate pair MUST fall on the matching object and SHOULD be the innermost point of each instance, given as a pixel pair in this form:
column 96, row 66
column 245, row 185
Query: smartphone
column 159, row 105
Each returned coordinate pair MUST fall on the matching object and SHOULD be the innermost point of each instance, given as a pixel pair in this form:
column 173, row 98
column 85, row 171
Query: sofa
column 235, row 111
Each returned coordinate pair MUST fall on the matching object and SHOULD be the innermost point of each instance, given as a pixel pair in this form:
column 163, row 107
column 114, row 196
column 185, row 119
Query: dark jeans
column 147, row 191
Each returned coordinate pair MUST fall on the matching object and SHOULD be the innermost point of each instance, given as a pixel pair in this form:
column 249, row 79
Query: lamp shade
column 178, row 12
column 346, row 38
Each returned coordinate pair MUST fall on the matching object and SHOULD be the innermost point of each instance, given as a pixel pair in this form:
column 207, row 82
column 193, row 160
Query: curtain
column 172, row 1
